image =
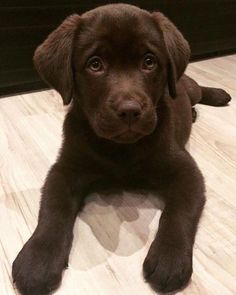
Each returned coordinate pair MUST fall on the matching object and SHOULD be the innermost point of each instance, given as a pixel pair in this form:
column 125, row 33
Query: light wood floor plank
column 112, row 235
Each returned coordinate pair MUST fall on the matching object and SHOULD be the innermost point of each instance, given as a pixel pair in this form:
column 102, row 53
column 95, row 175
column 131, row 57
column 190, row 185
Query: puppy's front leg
column 168, row 265
column 37, row 269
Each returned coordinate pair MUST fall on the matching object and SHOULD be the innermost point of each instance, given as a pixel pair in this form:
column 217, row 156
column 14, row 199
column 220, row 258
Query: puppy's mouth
column 128, row 136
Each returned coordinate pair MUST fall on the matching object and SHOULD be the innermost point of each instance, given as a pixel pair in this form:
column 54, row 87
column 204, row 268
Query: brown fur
column 126, row 129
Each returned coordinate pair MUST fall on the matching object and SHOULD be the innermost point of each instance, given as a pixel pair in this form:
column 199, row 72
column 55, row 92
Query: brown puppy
column 121, row 68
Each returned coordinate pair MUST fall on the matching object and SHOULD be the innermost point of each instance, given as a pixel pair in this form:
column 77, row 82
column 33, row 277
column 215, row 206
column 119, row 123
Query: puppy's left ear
column 177, row 48
column 52, row 58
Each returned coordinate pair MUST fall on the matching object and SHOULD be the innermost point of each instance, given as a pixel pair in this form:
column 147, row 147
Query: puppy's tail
column 214, row 96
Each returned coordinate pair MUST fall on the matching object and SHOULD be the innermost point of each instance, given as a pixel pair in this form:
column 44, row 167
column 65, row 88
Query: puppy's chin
column 121, row 133
column 127, row 136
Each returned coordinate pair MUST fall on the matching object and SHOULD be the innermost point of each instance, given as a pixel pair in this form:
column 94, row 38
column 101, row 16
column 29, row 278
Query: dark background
column 208, row 25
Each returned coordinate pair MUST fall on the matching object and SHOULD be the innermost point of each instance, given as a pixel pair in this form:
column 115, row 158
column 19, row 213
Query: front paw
column 37, row 269
column 167, row 268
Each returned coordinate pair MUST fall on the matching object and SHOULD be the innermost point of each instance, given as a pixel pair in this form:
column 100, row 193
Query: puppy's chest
column 135, row 172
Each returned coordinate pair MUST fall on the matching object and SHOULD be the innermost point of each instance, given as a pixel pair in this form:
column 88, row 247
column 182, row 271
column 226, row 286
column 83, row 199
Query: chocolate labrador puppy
column 121, row 69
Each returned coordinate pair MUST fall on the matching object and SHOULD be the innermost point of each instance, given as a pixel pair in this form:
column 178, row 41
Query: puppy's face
column 116, row 61
column 119, row 62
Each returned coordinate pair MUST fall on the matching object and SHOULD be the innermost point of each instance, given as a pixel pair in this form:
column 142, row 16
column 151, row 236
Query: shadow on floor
column 118, row 224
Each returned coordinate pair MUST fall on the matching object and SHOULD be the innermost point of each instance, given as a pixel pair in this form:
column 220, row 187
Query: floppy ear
column 177, row 48
column 52, row 58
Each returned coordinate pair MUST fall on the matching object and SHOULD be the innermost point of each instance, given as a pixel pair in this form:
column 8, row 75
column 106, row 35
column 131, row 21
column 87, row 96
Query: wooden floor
column 112, row 236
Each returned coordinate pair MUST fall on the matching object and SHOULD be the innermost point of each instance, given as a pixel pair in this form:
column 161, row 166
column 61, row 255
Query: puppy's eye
column 149, row 62
column 95, row 64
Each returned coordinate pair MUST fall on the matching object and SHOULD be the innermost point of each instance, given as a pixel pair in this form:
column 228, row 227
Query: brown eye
column 95, row 64
column 149, row 62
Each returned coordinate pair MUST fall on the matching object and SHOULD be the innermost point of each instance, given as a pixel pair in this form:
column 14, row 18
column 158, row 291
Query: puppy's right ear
column 52, row 58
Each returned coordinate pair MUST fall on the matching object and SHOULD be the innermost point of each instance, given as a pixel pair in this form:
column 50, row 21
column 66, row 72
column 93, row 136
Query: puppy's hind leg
column 193, row 89
column 194, row 94
column 205, row 95
column 214, row 96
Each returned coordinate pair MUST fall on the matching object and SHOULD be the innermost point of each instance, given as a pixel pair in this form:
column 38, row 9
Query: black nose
column 129, row 111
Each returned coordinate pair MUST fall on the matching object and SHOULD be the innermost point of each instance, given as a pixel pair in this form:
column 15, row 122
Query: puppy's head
column 116, row 60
